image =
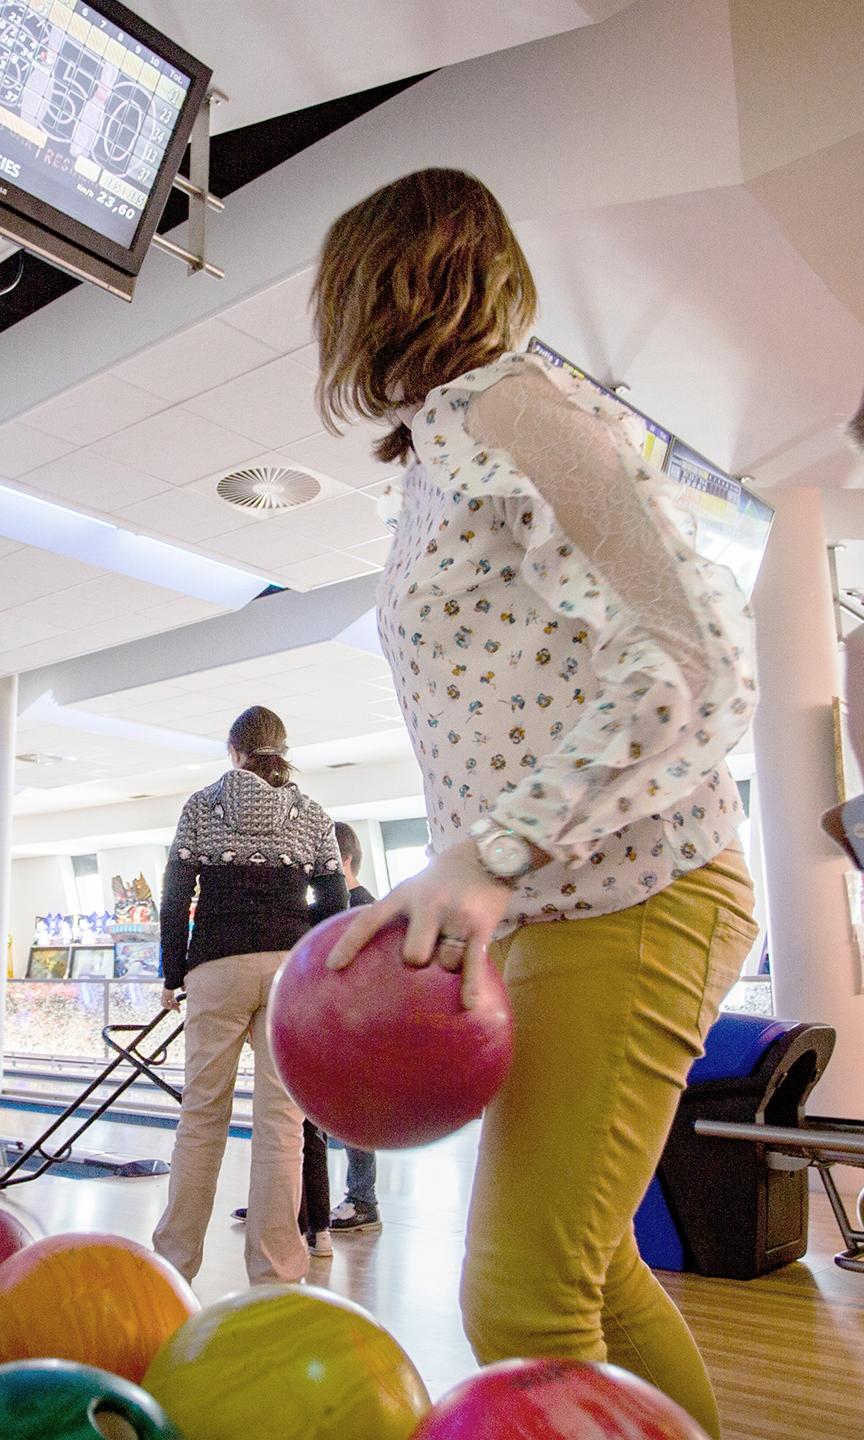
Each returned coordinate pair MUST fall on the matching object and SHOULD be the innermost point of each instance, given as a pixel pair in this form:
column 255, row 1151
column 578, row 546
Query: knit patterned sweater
column 254, row 851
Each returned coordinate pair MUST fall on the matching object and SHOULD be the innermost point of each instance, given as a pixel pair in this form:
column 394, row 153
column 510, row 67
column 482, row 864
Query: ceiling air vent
column 269, row 487
column 39, row 757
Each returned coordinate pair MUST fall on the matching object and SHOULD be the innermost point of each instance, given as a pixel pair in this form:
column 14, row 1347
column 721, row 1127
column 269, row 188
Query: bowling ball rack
column 24, row 1162
column 821, row 1141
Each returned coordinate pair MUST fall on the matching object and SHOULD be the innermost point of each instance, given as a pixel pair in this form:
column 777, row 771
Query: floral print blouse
column 563, row 656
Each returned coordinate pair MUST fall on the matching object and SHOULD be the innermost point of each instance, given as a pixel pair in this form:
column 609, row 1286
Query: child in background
column 358, row 1212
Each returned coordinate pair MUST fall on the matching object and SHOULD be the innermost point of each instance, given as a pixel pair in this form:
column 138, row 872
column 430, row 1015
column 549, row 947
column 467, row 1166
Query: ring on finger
column 457, row 942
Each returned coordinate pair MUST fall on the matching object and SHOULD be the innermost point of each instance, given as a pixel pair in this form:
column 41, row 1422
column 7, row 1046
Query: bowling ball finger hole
column 114, row 1426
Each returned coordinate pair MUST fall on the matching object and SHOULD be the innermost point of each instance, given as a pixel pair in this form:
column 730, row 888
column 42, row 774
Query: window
column 88, row 884
column 405, row 848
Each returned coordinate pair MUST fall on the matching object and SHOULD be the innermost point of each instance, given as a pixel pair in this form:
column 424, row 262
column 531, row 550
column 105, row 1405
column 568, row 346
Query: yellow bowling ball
column 287, row 1362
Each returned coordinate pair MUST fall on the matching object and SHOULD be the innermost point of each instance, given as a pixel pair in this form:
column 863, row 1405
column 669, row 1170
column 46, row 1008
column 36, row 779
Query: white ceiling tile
column 325, row 570
column 67, row 609
column 376, row 551
column 23, row 449
column 40, row 572
column 195, row 361
column 181, row 516
column 278, row 316
column 274, row 405
column 265, row 544
column 15, row 631
column 177, row 446
column 307, row 356
column 339, row 698
column 117, row 631
column 185, row 611
column 347, row 457
column 386, row 712
column 360, row 665
column 62, row 646
column 346, row 521
column 165, row 715
column 18, row 590
column 96, row 481
column 381, row 487
column 90, row 411
column 122, row 592
column 8, row 547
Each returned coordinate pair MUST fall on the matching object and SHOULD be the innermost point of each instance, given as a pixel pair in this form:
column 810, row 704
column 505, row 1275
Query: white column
column 8, row 718
column 814, row 964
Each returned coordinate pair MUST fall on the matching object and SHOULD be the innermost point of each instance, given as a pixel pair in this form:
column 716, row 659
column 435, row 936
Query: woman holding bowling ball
column 572, row 673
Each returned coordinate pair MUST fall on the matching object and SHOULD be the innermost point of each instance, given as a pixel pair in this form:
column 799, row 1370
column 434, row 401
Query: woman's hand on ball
column 454, row 897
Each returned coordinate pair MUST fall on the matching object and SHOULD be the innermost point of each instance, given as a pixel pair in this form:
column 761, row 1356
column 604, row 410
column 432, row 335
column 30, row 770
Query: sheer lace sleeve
column 667, row 633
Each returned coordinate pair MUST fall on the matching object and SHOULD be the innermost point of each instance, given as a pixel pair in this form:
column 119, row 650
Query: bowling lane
column 407, row 1276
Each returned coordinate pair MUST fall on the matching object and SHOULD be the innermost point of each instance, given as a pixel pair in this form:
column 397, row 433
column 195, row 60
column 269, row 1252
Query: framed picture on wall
column 92, row 961
column 846, row 768
column 48, row 962
column 136, row 959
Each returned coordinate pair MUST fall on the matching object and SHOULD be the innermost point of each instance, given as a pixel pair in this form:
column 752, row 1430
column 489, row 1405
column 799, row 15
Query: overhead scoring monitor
column 96, row 108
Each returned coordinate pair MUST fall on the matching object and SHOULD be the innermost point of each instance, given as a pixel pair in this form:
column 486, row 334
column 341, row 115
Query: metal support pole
column 197, row 188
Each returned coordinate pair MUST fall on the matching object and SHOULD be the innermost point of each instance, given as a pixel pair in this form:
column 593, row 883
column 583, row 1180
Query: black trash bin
column 716, row 1206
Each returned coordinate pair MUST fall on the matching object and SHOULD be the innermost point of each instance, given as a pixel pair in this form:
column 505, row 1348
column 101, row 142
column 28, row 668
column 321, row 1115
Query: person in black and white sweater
column 254, row 846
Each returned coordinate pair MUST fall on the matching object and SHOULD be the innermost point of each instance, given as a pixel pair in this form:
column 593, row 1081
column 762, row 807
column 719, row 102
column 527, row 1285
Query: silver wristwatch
column 506, row 855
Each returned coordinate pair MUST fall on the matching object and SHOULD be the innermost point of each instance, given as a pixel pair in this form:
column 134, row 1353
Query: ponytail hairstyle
column 260, row 735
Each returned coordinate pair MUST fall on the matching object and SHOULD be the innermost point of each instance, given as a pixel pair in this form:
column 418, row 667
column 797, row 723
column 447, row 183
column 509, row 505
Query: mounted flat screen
column 96, row 108
column 732, row 524
column 656, row 442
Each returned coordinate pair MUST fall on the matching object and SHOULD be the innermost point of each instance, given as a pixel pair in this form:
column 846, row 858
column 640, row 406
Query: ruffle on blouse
column 671, row 650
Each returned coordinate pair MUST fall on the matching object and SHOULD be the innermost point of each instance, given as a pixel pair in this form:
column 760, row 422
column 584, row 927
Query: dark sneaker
column 240, row 1214
column 354, row 1217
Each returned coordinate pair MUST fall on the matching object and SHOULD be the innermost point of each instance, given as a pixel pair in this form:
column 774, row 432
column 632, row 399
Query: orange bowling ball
column 97, row 1299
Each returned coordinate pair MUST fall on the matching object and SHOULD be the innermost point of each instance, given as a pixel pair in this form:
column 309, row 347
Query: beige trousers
column 225, row 999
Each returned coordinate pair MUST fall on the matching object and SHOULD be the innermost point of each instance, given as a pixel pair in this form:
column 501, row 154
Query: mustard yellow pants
column 610, row 1014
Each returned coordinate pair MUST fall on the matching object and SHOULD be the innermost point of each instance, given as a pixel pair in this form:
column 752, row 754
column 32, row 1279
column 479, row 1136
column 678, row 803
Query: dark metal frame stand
column 822, row 1141
column 140, row 1065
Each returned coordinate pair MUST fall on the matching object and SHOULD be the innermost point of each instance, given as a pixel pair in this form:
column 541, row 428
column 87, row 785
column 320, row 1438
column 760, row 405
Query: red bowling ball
column 13, row 1235
column 556, row 1400
column 380, row 1054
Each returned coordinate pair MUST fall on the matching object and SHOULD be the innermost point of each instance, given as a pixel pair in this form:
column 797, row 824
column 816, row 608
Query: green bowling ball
column 56, row 1398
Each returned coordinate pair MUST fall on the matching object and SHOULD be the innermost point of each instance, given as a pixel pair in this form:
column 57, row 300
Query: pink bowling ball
column 556, row 1400
column 13, row 1235
column 382, row 1055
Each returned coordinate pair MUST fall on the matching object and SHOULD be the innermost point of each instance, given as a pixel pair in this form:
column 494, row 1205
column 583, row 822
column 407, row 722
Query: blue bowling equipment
column 716, row 1207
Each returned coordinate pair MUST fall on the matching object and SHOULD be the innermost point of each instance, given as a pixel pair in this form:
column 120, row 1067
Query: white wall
column 130, row 861
column 39, row 886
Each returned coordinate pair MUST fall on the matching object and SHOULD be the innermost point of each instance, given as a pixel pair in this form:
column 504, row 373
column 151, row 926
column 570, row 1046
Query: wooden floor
column 786, row 1352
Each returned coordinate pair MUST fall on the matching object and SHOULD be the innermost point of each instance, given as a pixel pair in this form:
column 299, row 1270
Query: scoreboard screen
column 96, row 108
column 732, row 524
column 86, row 112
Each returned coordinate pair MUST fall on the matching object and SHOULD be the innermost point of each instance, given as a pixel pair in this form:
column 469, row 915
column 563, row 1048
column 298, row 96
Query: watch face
column 507, row 856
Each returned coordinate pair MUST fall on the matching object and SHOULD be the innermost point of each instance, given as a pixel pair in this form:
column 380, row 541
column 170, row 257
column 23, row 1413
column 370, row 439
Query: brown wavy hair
column 259, row 729
column 421, row 282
